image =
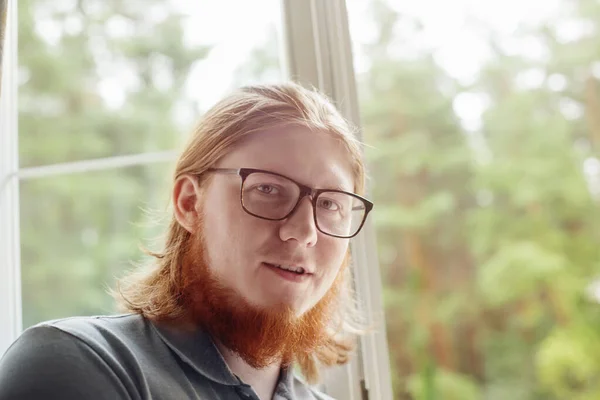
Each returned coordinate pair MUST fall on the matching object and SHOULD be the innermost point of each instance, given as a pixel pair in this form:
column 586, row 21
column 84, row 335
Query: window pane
column 104, row 78
column 80, row 231
column 484, row 147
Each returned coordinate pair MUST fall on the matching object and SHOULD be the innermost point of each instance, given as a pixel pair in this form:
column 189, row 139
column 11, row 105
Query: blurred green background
column 488, row 227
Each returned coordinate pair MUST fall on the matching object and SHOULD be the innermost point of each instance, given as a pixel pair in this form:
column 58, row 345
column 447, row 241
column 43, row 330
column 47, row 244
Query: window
column 482, row 124
column 105, row 89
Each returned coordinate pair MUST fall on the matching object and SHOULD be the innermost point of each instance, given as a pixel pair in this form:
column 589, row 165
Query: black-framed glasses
column 272, row 196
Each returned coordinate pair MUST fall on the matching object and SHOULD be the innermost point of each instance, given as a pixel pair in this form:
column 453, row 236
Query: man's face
column 240, row 247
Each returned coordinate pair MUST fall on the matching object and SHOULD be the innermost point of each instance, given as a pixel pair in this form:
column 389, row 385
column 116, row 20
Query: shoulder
column 69, row 357
column 98, row 325
column 119, row 336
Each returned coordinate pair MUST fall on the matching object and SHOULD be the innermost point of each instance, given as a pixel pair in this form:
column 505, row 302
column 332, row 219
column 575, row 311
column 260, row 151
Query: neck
column 263, row 381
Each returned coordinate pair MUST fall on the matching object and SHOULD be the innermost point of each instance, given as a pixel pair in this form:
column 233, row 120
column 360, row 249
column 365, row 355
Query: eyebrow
column 270, row 170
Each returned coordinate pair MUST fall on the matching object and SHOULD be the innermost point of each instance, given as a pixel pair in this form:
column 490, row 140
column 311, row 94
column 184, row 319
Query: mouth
column 289, row 272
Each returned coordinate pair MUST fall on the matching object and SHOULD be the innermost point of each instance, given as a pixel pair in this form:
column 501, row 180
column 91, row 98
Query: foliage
column 488, row 237
column 80, row 231
column 431, row 384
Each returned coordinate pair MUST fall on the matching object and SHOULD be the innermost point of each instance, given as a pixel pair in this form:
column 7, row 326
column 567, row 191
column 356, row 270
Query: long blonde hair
column 155, row 291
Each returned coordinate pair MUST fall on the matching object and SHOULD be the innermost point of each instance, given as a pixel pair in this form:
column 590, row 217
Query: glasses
column 271, row 196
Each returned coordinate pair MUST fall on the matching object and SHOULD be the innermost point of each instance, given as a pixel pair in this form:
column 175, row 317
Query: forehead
column 314, row 158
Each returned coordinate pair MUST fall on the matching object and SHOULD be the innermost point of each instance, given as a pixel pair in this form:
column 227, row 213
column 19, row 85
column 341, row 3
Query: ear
column 185, row 202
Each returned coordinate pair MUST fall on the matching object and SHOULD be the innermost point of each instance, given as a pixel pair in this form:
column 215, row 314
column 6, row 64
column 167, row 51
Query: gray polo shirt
column 125, row 357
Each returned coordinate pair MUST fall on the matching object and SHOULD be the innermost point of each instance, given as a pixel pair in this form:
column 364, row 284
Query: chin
column 282, row 305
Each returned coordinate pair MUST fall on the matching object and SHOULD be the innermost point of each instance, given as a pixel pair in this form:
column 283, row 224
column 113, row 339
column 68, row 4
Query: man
column 253, row 278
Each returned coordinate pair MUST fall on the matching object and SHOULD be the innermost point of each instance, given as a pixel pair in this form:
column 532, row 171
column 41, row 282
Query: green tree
column 537, row 242
column 79, row 231
column 486, row 259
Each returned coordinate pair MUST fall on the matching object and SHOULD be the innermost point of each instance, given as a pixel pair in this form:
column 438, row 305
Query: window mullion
column 318, row 50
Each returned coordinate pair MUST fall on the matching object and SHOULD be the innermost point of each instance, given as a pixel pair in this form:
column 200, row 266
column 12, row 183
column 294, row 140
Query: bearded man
column 252, row 281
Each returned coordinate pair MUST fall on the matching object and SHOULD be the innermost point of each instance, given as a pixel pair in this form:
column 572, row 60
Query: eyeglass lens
column 273, row 197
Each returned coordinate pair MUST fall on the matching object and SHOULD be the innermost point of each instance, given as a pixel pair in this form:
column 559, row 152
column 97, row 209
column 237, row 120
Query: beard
column 260, row 336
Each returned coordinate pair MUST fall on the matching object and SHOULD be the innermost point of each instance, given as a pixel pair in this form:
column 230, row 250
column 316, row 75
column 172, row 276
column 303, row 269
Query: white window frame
column 318, row 53
column 10, row 279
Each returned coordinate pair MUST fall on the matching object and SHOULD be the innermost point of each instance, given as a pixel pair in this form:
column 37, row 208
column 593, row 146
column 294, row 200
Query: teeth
column 298, row 270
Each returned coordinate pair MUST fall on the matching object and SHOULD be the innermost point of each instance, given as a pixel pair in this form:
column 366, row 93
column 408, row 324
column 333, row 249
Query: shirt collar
column 285, row 384
column 196, row 348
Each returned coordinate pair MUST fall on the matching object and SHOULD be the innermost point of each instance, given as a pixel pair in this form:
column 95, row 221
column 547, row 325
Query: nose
column 300, row 226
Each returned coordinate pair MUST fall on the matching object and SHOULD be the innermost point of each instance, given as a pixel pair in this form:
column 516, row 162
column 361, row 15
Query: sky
column 233, row 28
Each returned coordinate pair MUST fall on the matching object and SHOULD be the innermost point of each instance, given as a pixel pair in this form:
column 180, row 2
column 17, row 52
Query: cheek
column 219, row 215
column 332, row 256
column 232, row 237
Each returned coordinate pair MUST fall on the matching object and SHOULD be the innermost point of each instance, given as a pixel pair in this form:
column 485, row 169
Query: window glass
column 104, row 78
column 483, row 132
column 80, row 231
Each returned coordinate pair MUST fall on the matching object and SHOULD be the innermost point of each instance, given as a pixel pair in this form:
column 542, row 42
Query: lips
column 299, row 274
column 291, row 268
column 290, row 265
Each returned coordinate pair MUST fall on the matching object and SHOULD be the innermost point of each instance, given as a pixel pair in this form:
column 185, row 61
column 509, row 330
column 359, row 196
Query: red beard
column 259, row 336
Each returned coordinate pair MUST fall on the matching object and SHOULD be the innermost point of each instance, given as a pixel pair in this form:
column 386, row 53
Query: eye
column 267, row 189
column 328, row 204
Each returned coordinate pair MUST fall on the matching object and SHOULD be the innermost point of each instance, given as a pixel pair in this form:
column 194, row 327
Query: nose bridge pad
column 307, row 197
